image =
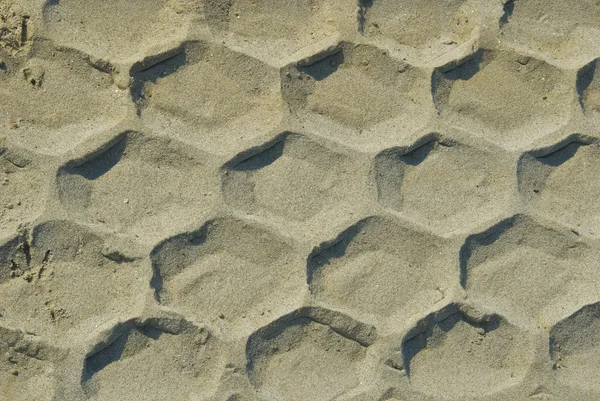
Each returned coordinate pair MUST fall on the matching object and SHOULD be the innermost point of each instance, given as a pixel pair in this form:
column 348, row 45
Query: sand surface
column 289, row 200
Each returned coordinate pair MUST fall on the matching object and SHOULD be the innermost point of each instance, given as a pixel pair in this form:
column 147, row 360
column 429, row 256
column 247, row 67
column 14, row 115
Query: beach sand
column 288, row 200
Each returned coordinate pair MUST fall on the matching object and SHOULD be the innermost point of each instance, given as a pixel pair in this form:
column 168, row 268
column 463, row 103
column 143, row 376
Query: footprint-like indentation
column 357, row 86
column 528, row 270
column 20, row 177
column 452, row 355
column 228, row 269
column 292, row 177
column 575, row 349
column 154, row 363
column 561, row 183
column 170, row 93
column 311, row 354
column 117, row 30
column 447, row 25
column 137, row 181
column 508, row 98
column 55, row 101
column 26, row 368
column 442, row 183
column 273, row 30
column 380, row 267
column 48, row 276
column 563, row 30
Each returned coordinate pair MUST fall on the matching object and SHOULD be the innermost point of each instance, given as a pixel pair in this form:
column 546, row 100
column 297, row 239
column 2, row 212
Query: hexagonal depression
column 136, row 181
column 442, row 182
column 152, row 362
column 455, row 354
column 67, row 100
column 227, row 268
column 560, row 182
column 357, row 86
column 508, row 98
column 447, row 25
column 239, row 84
column 117, row 30
column 292, row 177
column 274, row 29
column 380, row 267
column 575, row 350
column 527, row 270
column 563, row 30
column 46, row 284
column 312, row 353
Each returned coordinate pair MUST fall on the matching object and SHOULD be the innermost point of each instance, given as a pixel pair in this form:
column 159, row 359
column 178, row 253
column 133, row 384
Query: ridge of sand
column 289, row 200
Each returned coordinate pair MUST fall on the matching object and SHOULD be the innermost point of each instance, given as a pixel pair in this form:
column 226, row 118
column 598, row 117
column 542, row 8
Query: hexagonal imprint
column 379, row 267
column 460, row 356
column 562, row 184
column 508, row 98
column 357, row 86
column 575, row 348
column 55, row 101
column 274, row 29
column 26, row 373
column 553, row 26
column 46, row 283
column 111, row 185
column 441, row 182
column 116, row 29
column 154, row 364
column 238, row 85
column 301, row 356
column 448, row 24
column 21, row 177
column 225, row 269
column 524, row 269
column 292, row 177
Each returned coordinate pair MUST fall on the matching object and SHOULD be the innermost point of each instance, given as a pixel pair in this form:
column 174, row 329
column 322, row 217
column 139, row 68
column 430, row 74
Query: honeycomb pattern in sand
column 294, row 200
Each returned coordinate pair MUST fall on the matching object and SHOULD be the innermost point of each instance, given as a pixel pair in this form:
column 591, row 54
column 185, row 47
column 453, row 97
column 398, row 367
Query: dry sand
column 288, row 200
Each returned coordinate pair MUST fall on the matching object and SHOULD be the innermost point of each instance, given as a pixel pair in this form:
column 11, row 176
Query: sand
column 288, row 200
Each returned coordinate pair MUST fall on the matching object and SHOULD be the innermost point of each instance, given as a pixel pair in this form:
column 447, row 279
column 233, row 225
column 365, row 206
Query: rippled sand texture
column 289, row 200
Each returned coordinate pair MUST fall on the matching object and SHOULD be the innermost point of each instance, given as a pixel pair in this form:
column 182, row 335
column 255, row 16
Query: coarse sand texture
column 299, row 200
